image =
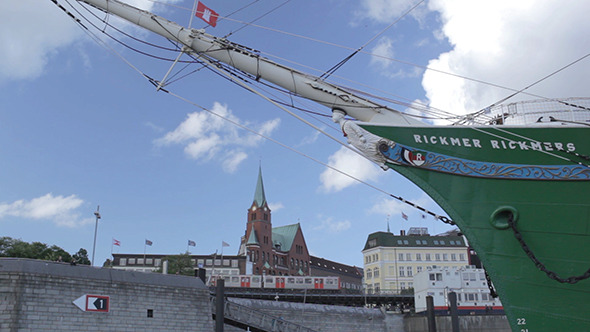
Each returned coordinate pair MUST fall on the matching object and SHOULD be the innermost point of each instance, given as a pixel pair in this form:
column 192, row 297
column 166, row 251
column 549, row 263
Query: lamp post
column 95, row 229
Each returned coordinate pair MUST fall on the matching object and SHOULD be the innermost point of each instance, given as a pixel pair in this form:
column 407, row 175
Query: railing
column 256, row 319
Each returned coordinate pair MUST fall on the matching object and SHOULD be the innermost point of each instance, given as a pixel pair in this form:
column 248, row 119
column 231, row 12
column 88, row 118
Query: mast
column 242, row 58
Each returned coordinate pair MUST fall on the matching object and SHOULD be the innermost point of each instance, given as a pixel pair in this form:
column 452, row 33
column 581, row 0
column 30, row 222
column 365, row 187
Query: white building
column 391, row 261
column 469, row 283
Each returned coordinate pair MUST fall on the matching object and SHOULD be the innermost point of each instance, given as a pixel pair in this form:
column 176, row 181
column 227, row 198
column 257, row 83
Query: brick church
column 272, row 250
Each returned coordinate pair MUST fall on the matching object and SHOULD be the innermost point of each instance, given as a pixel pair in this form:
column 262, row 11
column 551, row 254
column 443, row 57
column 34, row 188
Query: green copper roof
column 252, row 239
column 259, row 196
column 284, row 235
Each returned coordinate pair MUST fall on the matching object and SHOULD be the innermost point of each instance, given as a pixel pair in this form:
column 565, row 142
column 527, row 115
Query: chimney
column 402, row 232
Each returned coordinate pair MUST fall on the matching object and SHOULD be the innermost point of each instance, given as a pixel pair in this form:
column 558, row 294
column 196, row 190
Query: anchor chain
column 538, row 264
column 490, row 286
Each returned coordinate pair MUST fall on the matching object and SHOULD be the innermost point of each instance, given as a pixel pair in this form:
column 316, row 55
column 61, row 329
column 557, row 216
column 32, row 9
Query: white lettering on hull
column 494, row 144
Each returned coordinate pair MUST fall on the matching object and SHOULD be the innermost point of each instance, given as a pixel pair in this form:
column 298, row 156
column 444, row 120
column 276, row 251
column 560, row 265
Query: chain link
column 490, row 286
column 538, row 264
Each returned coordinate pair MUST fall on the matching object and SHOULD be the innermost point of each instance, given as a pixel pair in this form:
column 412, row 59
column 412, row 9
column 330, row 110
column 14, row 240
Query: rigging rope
column 343, row 61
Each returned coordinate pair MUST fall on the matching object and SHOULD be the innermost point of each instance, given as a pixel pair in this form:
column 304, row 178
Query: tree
column 179, row 264
column 81, row 257
column 10, row 247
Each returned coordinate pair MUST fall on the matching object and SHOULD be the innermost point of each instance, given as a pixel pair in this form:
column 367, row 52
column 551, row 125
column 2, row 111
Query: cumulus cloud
column 27, row 48
column 350, row 163
column 58, row 209
column 508, row 43
column 330, row 225
column 208, row 137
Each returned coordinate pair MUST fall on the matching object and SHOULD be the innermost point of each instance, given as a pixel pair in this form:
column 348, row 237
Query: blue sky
column 80, row 128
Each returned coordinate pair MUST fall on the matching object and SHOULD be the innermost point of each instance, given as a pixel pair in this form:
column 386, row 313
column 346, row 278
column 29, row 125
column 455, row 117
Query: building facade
column 468, row 282
column 213, row 264
column 351, row 277
column 391, row 261
column 272, row 250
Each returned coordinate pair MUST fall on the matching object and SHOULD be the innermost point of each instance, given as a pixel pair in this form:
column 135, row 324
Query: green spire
column 259, row 196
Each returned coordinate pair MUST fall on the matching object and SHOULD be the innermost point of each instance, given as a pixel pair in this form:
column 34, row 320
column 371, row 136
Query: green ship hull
column 552, row 212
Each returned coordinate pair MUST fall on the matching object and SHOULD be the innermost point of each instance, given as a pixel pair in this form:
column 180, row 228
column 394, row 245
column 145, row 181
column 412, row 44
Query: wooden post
column 454, row 312
column 219, row 305
column 430, row 314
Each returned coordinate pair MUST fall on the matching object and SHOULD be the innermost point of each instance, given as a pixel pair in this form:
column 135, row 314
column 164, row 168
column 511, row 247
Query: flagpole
column 144, row 246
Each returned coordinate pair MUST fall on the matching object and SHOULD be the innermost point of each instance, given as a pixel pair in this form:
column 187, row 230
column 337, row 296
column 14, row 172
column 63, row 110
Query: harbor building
column 264, row 250
column 391, row 261
column 468, row 282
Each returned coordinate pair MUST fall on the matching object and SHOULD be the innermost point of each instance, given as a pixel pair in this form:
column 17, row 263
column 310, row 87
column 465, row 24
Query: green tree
column 81, row 257
column 179, row 264
column 10, row 247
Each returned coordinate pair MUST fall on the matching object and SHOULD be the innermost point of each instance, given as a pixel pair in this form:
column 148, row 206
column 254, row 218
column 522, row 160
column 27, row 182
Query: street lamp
column 95, row 229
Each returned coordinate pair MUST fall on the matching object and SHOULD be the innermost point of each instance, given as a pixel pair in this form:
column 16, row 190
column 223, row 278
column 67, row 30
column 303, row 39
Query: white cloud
column 349, row 163
column 382, row 52
column 331, row 226
column 386, row 11
column 59, row 209
column 509, row 43
column 33, row 32
column 274, row 207
column 208, row 137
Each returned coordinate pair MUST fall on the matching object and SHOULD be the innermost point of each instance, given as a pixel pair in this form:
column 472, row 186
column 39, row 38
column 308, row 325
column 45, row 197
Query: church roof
column 284, row 235
column 252, row 239
column 259, row 196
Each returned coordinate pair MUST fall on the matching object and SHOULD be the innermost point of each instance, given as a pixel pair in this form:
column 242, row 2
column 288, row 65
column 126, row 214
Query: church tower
column 259, row 230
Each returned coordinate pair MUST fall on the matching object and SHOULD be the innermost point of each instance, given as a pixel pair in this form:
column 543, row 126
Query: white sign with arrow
column 87, row 302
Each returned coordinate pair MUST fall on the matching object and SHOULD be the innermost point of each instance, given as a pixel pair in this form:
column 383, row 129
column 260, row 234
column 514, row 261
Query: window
column 157, row 262
column 445, row 257
column 409, row 271
column 400, row 242
column 437, row 257
column 149, row 261
column 453, row 257
column 484, row 297
column 406, row 242
column 376, row 272
column 418, row 269
column 369, row 274
column 461, row 257
column 401, row 271
column 140, row 261
column 442, row 242
column 377, row 287
column 436, row 242
column 408, row 257
column 402, row 285
column 400, row 257
column 131, row 261
column 428, row 257
column 439, row 277
column 418, row 257
column 123, row 261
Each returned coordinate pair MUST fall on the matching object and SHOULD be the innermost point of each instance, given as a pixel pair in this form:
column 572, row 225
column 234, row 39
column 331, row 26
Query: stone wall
column 326, row 318
column 38, row 296
column 475, row 323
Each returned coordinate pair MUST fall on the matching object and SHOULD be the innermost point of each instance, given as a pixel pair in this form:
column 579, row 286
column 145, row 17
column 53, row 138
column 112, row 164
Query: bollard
column 430, row 314
column 219, row 305
column 454, row 312
column 201, row 274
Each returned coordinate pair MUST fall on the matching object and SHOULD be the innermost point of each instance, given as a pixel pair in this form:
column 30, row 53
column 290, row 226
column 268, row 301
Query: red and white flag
column 116, row 242
column 206, row 14
column 405, row 216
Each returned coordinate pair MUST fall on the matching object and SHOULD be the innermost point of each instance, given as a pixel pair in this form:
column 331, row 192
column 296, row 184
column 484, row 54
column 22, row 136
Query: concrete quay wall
column 39, row 295
column 325, row 318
